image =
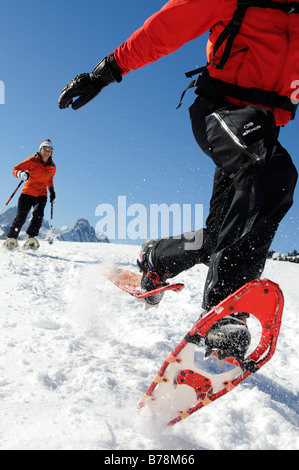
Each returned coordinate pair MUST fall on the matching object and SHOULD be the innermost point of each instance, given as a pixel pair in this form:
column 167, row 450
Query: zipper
column 233, row 136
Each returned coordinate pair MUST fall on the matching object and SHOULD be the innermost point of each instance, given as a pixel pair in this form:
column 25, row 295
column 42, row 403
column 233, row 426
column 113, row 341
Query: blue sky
column 130, row 141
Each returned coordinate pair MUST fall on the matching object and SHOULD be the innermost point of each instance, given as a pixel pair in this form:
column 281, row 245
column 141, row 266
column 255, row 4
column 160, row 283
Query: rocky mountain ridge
column 81, row 232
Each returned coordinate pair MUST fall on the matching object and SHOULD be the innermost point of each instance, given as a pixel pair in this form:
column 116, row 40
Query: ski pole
column 11, row 196
column 51, row 226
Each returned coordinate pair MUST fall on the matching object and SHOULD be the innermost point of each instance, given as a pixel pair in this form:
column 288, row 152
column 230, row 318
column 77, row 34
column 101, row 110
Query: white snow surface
column 77, row 354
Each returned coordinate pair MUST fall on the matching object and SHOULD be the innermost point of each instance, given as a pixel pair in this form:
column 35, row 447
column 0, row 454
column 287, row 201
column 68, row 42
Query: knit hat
column 46, row 143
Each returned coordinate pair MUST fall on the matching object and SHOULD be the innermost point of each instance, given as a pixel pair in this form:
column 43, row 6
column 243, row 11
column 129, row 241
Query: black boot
column 150, row 278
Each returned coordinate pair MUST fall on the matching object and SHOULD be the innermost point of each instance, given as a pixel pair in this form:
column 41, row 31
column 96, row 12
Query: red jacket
column 265, row 53
column 41, row 175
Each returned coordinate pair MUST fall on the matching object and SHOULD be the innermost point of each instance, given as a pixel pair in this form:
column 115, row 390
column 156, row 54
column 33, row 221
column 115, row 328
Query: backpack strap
column 216, row 88
column 230, row 32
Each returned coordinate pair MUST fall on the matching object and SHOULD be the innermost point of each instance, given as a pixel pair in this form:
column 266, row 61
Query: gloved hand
column 88, row 85
column 52, row 195
column 23, row 175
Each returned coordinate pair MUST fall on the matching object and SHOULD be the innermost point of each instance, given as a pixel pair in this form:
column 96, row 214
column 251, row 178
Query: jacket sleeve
column 51, row 182
column 178, row 22
column 23, row 166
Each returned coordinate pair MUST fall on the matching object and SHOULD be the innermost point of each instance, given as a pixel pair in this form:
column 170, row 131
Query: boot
column 150, row 278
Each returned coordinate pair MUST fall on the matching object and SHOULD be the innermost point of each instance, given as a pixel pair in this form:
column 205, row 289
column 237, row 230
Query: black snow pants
column 253, row 189
column 25, row 204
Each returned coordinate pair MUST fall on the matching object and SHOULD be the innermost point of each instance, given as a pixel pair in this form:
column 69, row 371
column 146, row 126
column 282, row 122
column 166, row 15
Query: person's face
column 46, row 153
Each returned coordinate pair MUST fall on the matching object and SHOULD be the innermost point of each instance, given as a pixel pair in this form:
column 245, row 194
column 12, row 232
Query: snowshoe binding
column 150, row 278
column 228, row 337
column 31, row 244
column 11, row 244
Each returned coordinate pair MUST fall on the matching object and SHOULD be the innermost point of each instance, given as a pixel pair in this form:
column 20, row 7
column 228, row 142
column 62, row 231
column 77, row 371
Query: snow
column 77, row 354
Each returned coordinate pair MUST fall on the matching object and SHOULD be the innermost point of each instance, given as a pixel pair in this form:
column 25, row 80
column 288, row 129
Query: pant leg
column 171, row 256
column 37, row 216
column 253, row 189
column 24, row 206
column 264, row 180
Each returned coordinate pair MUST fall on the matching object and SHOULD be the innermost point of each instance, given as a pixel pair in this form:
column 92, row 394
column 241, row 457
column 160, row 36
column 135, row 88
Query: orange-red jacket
column 265, row 53
column 41, row 175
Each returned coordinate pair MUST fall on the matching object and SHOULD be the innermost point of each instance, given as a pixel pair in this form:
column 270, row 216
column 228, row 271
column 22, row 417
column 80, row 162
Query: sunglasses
column 47, row 149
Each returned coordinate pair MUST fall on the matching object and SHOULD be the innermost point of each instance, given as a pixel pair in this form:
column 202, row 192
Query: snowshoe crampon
column 180, row 387
column 31, row 244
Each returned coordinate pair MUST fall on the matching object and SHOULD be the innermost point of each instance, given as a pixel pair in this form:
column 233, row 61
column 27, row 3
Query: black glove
column 52, row 195
column 88, row 85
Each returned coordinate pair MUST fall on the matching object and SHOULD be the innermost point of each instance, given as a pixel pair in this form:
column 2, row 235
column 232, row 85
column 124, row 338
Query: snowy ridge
column 81, row 232
column 77, row 354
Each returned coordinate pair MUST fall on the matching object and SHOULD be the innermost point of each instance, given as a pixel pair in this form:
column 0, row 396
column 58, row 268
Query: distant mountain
column 82, row 231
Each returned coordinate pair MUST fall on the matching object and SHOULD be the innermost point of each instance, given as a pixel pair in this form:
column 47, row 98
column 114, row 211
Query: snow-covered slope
column 77, row 354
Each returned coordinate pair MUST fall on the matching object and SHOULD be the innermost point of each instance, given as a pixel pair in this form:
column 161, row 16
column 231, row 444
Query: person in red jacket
column 244, row 94
column 37, row 172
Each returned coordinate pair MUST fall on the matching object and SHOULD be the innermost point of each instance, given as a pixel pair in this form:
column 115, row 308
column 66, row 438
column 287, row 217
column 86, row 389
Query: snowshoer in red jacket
column 244, row 94
column 37, row 172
